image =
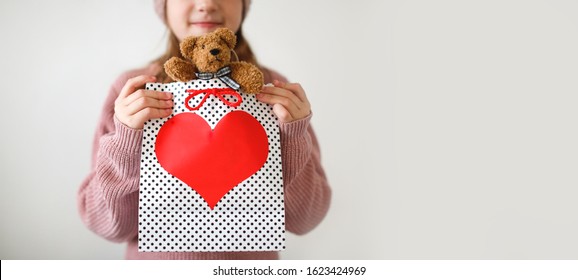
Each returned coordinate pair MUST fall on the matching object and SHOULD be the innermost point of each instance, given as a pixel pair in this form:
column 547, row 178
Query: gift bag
column 211, row 174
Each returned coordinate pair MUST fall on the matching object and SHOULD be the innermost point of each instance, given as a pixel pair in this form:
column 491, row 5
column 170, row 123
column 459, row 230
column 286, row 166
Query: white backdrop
column 448, row 127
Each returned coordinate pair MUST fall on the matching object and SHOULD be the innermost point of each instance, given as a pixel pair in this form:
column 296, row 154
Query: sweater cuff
column 296, row 128
column 127, row 139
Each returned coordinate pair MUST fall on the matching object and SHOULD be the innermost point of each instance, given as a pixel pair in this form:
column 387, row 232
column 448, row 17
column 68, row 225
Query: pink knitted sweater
column 108, row 197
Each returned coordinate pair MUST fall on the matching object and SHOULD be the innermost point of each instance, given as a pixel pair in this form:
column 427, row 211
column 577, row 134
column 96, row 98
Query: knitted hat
column 160, row 6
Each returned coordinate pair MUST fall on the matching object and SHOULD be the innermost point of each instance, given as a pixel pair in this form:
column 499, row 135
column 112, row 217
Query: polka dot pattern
column 175, row 218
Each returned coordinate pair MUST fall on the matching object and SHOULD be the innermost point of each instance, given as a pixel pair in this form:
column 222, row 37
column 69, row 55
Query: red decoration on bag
column 218, row 92
column 212, row 161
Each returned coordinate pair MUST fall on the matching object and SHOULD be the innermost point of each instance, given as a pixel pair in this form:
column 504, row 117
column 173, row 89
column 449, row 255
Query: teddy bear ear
column 228, row 36
column 187, row 45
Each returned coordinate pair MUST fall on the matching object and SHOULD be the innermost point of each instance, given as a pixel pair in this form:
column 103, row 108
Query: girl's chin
column 200, row 29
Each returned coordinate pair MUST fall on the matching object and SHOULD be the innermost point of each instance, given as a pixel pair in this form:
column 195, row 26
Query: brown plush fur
column 197, row 51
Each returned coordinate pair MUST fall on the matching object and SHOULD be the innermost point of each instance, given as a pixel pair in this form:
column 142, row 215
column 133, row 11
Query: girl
column 108, row 197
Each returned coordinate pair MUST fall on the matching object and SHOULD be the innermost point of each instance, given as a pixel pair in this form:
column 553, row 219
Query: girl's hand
column 288, row 99
column 135, row 105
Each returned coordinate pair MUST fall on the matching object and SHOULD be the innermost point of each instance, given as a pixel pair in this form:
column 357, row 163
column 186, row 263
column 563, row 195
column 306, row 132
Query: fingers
column 283, row 94
column 293, row 87
column 150, row 113
column 148, row 102
column 135, row 106
column 282, row 114
column 288, row 99
column 135, row 83
column 277, row 96
column 141, row 93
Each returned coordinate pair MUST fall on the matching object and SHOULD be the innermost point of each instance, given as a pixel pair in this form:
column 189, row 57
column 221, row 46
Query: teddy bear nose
column 215, row 51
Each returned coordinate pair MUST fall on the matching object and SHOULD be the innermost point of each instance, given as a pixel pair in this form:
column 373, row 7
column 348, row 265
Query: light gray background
column 448, row 128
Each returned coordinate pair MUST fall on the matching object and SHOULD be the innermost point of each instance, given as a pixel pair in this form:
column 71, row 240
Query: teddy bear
column 209, row 56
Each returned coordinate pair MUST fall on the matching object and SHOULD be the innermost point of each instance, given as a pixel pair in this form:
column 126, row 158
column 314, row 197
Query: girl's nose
column 215, row 51
column 205, row 5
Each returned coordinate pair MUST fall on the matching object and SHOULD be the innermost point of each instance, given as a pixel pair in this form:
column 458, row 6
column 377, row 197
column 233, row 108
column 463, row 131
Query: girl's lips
column 206, row 24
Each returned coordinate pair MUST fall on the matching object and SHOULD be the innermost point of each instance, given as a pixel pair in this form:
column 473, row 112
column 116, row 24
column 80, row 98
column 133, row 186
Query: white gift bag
column 211, row 173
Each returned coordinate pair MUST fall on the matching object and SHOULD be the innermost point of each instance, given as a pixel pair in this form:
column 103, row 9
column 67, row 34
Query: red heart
column 212, row 162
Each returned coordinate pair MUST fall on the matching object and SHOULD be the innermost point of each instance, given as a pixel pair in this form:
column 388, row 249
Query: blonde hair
column 242, row 49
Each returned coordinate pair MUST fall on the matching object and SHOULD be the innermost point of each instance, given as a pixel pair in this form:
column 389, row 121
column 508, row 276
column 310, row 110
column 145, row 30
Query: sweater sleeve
column 108, row 197
column 307, row 191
